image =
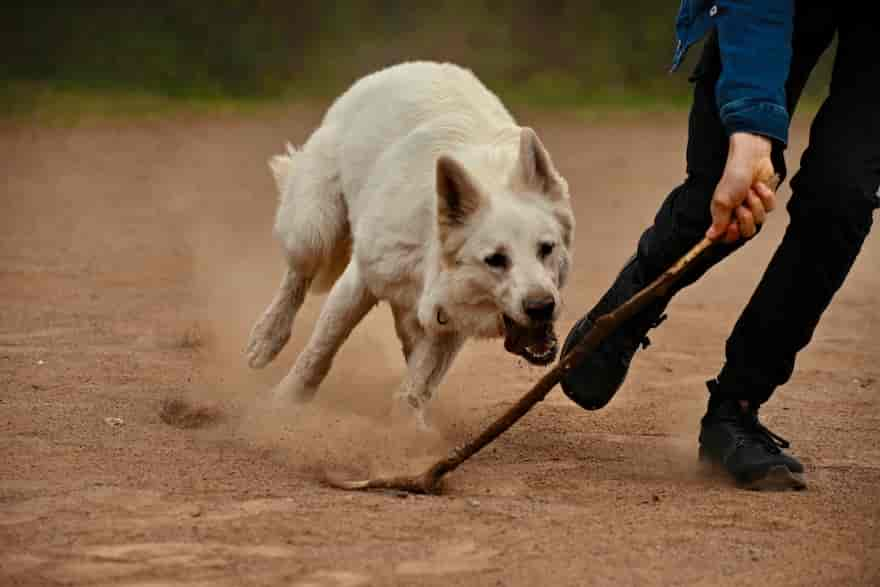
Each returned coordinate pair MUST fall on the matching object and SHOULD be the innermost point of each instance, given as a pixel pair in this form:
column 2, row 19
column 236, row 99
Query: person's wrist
column 758, row 144
column 749, row 158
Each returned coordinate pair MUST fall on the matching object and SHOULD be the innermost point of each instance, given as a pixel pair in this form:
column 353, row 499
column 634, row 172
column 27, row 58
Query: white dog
column 418, row 189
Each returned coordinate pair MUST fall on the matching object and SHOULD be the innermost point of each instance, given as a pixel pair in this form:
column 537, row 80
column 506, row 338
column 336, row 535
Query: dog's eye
column 545, row 250
column 497, row 260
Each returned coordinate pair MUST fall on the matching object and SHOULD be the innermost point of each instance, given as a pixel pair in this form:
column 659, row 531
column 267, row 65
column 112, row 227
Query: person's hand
column 742, row 198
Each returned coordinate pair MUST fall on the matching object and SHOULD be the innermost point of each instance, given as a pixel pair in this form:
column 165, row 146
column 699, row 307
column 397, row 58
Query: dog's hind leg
column 348, row 302
column 272, row 330
column 312, row 224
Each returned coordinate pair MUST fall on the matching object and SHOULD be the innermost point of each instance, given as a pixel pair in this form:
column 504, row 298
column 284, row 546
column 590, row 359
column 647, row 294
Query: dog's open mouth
column 537, row 345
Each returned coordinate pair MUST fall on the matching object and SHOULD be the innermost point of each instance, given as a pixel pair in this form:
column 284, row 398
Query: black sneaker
column 733, row 438
column 593, row 382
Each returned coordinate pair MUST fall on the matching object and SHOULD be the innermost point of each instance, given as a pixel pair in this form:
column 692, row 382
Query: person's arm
column 754, row 37
column 755, row 42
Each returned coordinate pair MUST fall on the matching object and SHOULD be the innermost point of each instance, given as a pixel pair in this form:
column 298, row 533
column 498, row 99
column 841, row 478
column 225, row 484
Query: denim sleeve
column 754, row 37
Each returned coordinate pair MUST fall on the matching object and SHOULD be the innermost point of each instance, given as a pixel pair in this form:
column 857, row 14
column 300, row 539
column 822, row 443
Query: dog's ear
column 458, row 196
column 565, row 217
column 536, row 169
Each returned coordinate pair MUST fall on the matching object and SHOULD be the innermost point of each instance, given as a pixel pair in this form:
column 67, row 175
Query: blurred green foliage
column 553, row 53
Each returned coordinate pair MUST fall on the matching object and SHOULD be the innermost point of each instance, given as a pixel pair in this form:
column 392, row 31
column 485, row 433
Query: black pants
column 833, row 198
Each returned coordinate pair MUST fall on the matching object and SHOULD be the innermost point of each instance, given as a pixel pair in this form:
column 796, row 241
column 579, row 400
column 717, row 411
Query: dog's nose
column 540, row 309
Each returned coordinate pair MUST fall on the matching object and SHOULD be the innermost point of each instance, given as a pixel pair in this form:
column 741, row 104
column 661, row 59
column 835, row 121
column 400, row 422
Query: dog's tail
column 283, row 167
column 312, row 220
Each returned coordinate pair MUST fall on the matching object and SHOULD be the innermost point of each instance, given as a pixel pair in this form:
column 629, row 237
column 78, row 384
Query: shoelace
column 750, row 431
column 764, row 434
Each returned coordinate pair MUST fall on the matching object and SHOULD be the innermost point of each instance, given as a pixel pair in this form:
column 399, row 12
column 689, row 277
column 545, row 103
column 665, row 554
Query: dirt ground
column 135, row 256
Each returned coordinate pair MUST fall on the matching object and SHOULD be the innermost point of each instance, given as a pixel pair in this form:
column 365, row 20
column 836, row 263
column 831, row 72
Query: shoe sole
column 777, row 478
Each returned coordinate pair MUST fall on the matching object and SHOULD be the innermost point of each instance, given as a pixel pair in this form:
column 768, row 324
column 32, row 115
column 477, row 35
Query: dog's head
column 506, row 247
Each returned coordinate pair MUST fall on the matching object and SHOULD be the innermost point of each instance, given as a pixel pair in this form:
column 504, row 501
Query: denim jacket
column 754, row 37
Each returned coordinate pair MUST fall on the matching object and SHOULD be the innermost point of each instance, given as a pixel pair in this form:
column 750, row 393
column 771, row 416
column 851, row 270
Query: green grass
column 66, row 105
column 60, row 105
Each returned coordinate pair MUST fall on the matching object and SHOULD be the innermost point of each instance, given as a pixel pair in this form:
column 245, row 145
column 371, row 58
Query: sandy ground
column 134, row 258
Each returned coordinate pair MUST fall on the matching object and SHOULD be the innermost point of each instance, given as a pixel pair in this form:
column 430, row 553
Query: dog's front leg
column 427, row 363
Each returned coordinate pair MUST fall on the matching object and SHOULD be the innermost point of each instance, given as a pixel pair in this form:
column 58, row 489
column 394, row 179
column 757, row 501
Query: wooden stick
column 428, row 482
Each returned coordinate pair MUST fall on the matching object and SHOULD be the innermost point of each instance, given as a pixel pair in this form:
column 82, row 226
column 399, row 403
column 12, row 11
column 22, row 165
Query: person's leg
column 834, row 196
column 680, row 223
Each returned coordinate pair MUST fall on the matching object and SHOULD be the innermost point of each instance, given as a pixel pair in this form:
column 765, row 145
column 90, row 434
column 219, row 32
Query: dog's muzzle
column 536, row 344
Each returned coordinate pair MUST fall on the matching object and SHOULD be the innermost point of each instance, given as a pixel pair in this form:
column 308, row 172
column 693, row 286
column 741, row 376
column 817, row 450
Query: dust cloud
column 348, row 425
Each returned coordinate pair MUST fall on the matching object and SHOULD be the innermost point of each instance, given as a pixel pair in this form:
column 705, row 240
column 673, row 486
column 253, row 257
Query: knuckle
column 721, row 202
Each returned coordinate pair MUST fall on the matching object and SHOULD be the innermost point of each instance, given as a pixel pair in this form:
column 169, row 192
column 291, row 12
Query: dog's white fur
column 415, row 177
